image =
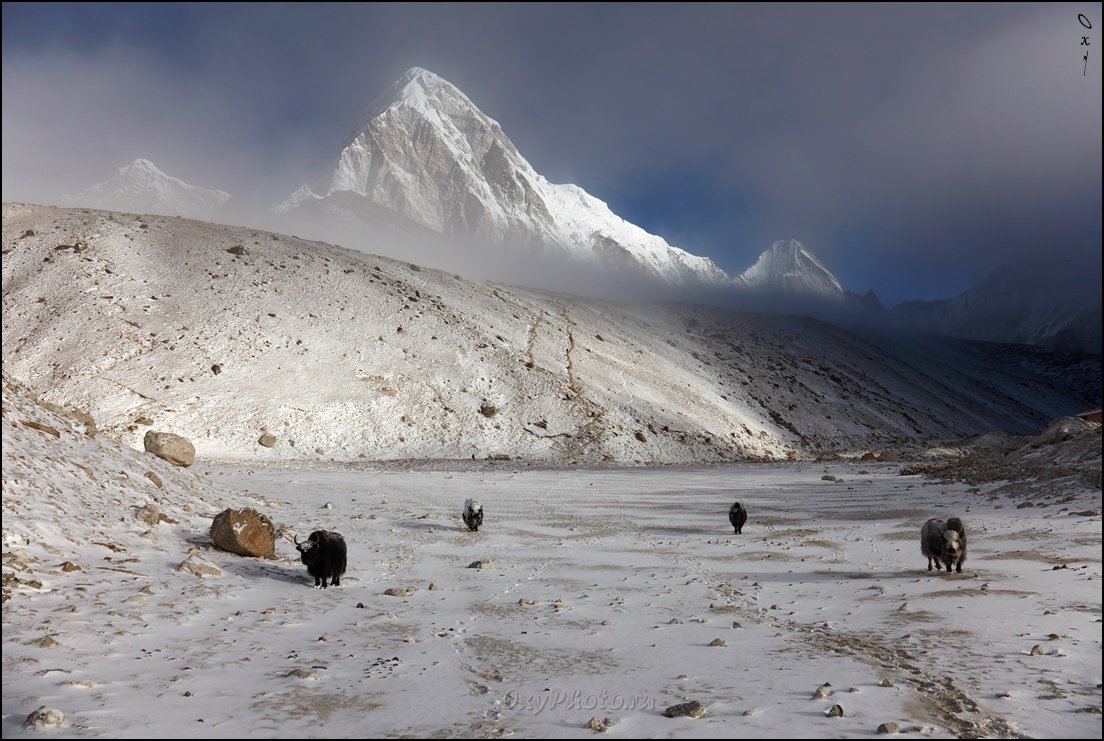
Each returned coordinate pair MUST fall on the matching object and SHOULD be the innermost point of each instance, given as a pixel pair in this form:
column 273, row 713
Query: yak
column 737, row 515
column 473, row 515
column 324, row 554
column 944, row 543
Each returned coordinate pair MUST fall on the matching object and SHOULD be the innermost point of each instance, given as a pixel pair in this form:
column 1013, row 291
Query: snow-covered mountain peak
column 143, row 173
column 789, row 268
column 142, row 186
column 426, row 95
column 424, row 150
column 142, row 166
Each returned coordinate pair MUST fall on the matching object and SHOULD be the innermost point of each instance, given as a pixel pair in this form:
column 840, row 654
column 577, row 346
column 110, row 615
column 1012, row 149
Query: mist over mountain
column 1053, row 303
column 425, row 176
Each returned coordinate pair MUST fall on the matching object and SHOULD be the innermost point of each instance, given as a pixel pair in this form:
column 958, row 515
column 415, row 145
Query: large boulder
column 173, row 448
column 244, row 531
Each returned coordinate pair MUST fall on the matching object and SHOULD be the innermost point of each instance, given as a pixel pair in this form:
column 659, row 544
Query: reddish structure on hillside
column 1093, row 415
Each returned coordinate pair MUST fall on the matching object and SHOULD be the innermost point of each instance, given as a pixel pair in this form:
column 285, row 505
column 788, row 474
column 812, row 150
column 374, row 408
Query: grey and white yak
column 944, row 543
column 473, row 515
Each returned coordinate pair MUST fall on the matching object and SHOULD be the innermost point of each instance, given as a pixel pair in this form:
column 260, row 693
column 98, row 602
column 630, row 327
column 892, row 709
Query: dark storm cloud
column 912, row 148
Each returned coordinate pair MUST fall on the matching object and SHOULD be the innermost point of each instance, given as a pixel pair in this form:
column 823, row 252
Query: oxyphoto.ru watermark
column 576, row 700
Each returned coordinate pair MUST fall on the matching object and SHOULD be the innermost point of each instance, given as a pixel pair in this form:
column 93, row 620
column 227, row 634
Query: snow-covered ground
column 608, row 588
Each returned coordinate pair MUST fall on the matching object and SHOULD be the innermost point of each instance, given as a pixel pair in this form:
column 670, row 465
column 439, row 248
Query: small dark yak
column 737, row 515
column 473, row 515
column 324, row 554
column 944, row 543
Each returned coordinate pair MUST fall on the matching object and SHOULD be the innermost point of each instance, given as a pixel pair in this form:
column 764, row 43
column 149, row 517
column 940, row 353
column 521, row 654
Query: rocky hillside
column 224, row 334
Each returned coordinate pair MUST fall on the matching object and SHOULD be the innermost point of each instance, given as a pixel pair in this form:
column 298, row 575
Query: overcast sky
column 911, row 148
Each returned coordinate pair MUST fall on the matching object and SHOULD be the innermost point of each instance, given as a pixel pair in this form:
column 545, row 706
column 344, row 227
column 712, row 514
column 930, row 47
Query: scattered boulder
column 267, row 440
column 836, row 711
column 821, row 693
column 149, row 514
column 828, row 477
column 302, row 674
column 640, row 436
column 488, row 410
column 154, row 478
column 397, row 592
column 1037, row 650
column 718, row 642
column 193, row 564
column 68, row 566
column 481, row 564
column 45, row 717
column 245, row 532
column 237, row 250
column 599, row 724
column 216, row 369
column 889, row 728
column 172, row 448
column 692, row 709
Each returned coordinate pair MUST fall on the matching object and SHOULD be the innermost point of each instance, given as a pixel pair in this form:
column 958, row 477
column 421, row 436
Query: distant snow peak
column 303, row 194
column 787, row 267
column 143, row 187
column 141, row 165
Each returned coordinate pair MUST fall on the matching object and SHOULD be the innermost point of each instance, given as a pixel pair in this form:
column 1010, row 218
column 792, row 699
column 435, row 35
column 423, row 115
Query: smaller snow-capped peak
column 303, row 194
column 142, row 186
column 791, row 269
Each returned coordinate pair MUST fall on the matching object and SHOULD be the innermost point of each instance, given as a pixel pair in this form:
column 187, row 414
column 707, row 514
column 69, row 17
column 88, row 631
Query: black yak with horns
column 324, row 554
column 737, row 515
